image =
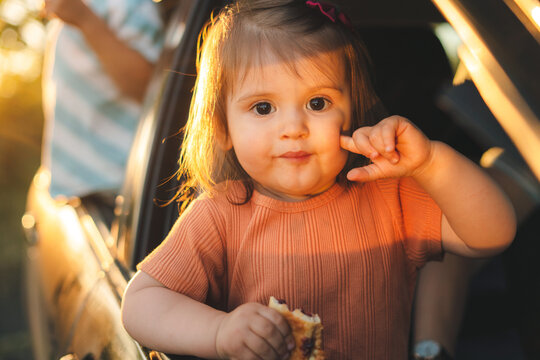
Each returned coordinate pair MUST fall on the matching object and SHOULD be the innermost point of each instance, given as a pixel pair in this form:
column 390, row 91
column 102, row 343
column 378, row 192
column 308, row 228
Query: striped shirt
column 90, row 125
column 350, row 255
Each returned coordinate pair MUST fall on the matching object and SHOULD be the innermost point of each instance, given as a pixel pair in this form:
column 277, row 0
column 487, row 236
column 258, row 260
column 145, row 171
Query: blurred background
column 21, row 123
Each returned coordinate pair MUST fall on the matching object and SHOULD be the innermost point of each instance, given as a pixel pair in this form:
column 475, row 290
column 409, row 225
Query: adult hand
column 73, row 12
column 395, row 147
column 254, row 331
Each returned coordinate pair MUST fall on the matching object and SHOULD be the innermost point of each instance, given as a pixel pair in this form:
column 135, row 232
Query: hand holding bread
column 253, row 330
column 306, row 330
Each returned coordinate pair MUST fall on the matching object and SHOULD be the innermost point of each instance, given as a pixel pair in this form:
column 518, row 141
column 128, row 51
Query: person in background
column 98, row 62
column 440, row 304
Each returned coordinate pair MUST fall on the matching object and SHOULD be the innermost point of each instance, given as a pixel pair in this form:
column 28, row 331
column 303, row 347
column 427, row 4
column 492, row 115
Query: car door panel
column 66, row 266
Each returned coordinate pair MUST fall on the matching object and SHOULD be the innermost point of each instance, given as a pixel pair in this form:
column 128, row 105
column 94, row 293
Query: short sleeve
column 143, row 30
column 191, row 258
column 421, row 223
column 137, row 23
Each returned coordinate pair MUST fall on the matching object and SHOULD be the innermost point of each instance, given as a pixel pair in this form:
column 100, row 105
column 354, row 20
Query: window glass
column 128, row 203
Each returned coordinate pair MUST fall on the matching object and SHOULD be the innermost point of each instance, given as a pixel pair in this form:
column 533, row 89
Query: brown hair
column 232, row 42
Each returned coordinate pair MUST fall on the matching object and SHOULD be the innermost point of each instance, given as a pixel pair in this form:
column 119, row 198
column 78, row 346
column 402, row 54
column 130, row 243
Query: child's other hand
column 254, row 331
column 395, row 146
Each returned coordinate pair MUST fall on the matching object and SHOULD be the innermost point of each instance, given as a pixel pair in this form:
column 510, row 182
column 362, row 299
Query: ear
column 226, row 144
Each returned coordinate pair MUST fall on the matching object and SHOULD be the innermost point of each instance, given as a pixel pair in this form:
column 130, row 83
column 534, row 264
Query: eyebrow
column 253, row 95
column 249, row 96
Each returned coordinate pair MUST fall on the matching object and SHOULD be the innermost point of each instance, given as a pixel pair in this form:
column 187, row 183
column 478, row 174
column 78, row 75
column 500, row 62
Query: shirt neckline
column 298, row 206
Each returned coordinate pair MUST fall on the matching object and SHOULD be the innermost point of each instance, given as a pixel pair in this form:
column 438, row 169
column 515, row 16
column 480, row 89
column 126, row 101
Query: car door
column 143, row 221
column 165, row 110
column 77, row 268
column 61, row 270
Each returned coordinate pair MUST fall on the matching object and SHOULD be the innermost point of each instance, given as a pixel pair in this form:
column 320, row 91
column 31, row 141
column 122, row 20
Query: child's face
column 285, row 126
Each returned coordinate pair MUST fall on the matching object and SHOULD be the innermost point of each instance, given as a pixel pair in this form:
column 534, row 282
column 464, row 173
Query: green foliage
column 21, row 124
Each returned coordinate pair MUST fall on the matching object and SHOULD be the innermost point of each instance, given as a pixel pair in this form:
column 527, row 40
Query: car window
column 487, row 99
column 142, row 223
column 128, row 202
column 462, row 101
column 502, row 60
column 431, row 83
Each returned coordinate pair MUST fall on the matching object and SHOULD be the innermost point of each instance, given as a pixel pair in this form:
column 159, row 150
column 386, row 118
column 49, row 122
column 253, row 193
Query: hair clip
column 330, row 11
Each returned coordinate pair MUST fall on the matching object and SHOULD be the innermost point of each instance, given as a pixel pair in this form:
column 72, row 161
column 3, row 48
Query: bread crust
column 306, row 330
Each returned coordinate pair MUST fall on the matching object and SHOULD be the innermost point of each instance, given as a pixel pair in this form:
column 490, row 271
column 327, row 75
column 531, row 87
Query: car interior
column 414, row 78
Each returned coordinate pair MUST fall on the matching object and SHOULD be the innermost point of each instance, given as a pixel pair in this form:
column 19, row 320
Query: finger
column 246, row 353
column 364, row 173
column 375, row 138
column 388, row 135
column 347, row 143
column 43, row 12
column 383, row 139
column 281, row 325
column 278, row 320
column 359, row 144
column 269, row 331
column 260, row 347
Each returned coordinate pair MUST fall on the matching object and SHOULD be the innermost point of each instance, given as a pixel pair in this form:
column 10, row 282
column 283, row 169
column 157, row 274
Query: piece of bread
column 306, row 329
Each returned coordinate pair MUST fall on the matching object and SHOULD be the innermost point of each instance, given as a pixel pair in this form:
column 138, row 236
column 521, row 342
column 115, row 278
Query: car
column 484, row 102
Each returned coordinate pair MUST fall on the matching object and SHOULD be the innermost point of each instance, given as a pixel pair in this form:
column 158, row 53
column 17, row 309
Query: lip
column 295, row 155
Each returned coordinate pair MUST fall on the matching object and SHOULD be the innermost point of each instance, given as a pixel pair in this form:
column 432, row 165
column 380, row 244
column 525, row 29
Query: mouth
column 295, row 155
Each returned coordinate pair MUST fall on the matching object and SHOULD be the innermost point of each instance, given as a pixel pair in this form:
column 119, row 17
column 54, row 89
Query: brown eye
column 317, row 104
column 263, row 108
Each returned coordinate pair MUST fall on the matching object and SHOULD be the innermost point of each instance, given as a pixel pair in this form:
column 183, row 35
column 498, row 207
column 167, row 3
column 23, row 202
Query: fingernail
column 290, row 345
column 373, row 155
column 395, row 160
column 389, row 148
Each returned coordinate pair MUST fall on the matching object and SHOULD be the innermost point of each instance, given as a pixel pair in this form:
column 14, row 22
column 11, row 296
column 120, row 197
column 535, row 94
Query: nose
column 294, row 125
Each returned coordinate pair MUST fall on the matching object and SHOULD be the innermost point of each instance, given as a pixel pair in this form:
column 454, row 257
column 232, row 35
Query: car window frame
column 494, row 61
column 142, row 221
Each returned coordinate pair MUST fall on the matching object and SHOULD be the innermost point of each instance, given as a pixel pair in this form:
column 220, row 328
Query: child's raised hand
column 395, row 146
column 254, row 331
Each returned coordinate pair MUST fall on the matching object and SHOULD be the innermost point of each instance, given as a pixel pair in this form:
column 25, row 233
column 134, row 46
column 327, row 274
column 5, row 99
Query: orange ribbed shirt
column 350, row 255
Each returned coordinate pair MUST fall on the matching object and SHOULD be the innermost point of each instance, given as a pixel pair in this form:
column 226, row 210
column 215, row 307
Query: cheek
column 252, row 159
column 329, row 145
column 340, row 159
column 249, row 148
column 329, row 137
column 241, row 149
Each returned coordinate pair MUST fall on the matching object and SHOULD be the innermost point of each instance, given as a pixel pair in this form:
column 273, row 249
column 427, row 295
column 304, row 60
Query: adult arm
column 129, row 70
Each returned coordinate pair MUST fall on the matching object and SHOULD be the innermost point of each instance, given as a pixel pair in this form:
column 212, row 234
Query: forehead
column 314, row 70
